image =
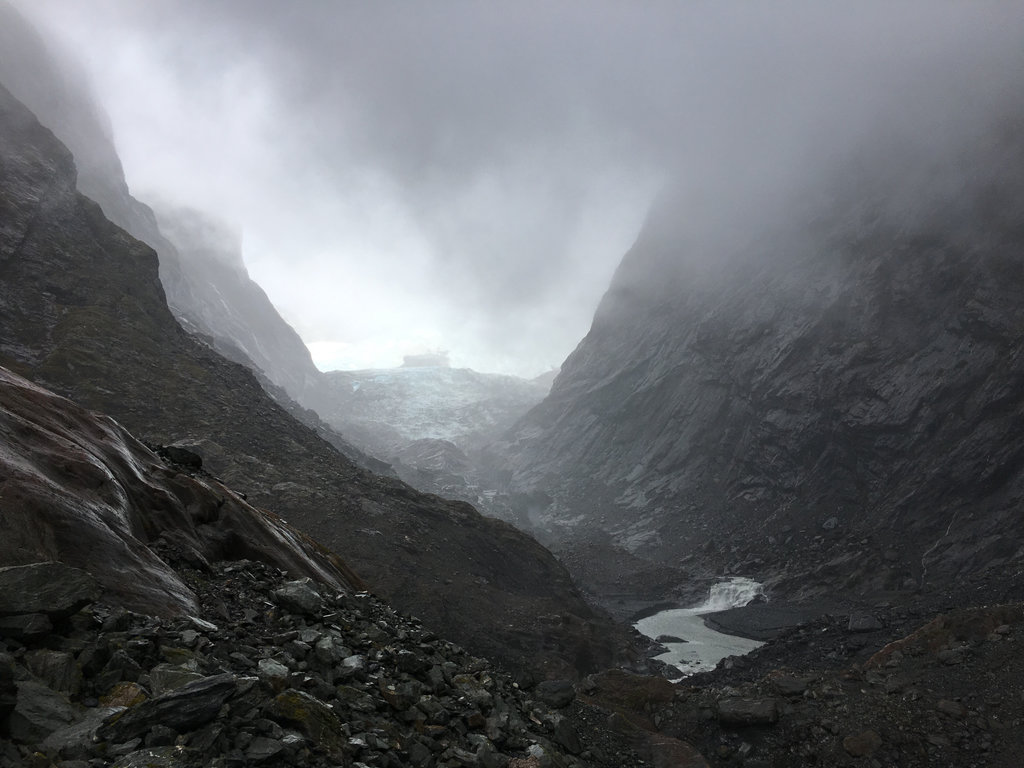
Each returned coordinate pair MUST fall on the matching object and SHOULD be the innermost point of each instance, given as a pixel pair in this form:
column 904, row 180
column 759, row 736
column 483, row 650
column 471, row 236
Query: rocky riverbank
column 848, row 689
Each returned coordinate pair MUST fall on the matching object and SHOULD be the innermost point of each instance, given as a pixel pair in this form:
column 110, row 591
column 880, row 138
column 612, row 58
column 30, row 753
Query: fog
column 467, row 176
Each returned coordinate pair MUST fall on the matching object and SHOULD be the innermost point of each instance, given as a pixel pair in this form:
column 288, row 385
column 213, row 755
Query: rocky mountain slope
column 830, row 400
column 205, row 659
column 77, row 488
column 82, row 312
column 205, row 282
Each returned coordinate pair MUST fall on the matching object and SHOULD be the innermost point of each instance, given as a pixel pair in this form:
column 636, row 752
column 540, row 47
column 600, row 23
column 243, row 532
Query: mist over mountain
column 207, row 285
column 825, row 394
column 806, row 373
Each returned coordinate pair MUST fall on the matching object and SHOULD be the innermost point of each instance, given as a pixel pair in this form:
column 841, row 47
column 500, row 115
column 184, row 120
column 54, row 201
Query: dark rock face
column 80, row 490
column 82, row 311
column 837, row 400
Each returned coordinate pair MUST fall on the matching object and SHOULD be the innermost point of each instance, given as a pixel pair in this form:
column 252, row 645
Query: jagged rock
column 380, row 715
column 49, row 588
column 184, row 709
column 25, row 626
column 77, row 740
column 863, row 744
column 38, row 712
column 311, row 716
column 863, row 622
column 123, row 695
column 186, row 457
column 261, row 749
column 169, row 677
column 565, row 734
column 747, row 711
column 57, row 669
column 300, row 597
column 556, row 693
column 273, row 672
column 789, row 685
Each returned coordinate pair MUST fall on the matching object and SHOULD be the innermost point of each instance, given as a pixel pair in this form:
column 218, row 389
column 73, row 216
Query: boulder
column 74, row 742
column 184, row 709
column 862, row 744
column 57, row 669
column 747, row 711
column 299, row 597
column 863, row 622
column 52, row 588
column 556, row 693
column 38, row 712
column 312, row 717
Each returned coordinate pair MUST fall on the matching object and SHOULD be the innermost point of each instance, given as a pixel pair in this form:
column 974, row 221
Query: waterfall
column 735, row 593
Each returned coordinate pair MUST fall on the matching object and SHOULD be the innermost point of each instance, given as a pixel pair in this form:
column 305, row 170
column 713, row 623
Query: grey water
column 703, row 647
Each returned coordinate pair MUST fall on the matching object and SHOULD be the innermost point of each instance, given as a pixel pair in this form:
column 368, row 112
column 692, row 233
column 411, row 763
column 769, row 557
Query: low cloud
column 468, row 175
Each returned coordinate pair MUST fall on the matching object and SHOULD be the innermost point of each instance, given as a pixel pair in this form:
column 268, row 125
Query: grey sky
column 467, row 175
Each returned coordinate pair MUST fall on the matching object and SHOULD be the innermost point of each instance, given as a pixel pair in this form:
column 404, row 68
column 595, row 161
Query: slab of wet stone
column 53, row 589
column 184, row 709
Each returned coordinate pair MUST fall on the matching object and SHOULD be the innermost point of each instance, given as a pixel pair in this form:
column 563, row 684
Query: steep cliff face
column 840, row 395
column 204, row 279
column 82, row 312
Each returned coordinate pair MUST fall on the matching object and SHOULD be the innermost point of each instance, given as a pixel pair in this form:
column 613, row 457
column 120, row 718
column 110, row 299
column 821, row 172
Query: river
column 703, row 647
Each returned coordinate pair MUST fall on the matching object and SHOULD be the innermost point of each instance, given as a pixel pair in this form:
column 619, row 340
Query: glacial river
column 703, row 647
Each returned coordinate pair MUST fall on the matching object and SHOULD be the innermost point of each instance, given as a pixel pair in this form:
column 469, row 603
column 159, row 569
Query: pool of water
column 702, row 647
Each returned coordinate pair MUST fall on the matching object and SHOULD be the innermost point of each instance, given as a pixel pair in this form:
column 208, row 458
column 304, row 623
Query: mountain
column 827, row 393
column 201, row 269
column 82, row 312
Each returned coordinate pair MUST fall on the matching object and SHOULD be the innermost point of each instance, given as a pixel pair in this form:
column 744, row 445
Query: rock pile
column 272, row 673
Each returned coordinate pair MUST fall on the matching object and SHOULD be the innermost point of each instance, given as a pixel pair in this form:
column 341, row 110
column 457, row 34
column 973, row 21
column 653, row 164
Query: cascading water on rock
column 735, row 593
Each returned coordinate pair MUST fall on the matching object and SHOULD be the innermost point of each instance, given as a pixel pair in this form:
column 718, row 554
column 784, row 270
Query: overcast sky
column 467, row 175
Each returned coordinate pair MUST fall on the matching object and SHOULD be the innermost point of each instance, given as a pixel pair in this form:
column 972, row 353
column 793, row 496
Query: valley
column 766, row 514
